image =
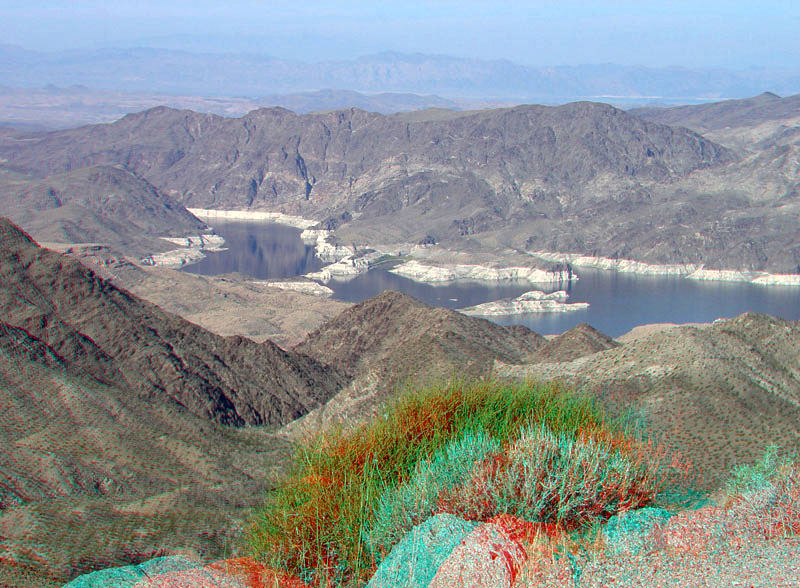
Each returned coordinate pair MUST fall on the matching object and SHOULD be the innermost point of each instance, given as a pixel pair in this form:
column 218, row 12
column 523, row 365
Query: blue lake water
column 618, row 302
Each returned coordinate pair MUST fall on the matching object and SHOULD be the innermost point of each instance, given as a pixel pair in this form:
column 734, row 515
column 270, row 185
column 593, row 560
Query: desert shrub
column 572, row 480
column 353, row 493
column 749, row 478
column 401, row 508
column 764, row 498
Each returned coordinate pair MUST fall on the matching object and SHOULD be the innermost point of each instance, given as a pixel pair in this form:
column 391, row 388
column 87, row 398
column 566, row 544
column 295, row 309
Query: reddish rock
column 193, row 578
column 525, row 532
column 486, row 558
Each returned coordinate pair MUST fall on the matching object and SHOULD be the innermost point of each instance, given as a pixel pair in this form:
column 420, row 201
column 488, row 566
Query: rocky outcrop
column 530, row 302
column 432, row 274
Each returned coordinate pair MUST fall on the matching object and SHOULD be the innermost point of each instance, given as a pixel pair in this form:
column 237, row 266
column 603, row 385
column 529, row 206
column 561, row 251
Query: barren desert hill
column 719, row 394
column 116, row 417
column 505, row 163
column 579, row 341
column 119, row 339
column 94, row 475
column 391, row 342
column 746, row 112
column 393, row 331
column 98, row 204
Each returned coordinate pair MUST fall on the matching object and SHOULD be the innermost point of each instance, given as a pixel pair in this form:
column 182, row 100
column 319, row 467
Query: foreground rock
column 414, row 561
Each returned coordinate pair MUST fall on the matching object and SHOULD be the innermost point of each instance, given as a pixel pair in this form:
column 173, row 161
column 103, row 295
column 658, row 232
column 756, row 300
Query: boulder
column 199, row 577
column 414, row 561
column 486, row 558
column 631, row 531
column 129, row 576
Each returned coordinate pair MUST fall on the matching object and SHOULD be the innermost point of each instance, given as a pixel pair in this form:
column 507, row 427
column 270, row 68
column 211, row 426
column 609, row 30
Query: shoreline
column 432, row 274
column 689, row 271
column 420, row 272
column 191, row 251
column 253, row 215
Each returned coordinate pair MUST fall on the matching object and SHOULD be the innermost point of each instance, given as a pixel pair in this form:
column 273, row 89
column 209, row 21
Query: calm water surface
column 618, row 302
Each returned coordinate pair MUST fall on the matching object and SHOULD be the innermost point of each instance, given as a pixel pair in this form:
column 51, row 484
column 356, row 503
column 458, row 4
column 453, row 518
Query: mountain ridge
column 122, row 340
column 455, row 176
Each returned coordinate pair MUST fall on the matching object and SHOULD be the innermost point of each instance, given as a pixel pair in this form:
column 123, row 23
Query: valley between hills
column 153, row 409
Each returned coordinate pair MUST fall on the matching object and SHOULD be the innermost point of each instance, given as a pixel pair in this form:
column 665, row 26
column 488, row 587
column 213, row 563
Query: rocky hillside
column 93, row 475
column 579, row 341
column 454, row 171
column 579, row 178
column 394, row 340
column 118, row 339
column 401, row 336
column 99, row 204
column 719, row 394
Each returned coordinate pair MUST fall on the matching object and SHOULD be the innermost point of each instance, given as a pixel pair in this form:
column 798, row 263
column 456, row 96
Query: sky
column 700, row 33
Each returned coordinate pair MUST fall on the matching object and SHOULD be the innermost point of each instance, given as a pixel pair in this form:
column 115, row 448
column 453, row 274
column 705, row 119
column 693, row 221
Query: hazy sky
column 562, row 32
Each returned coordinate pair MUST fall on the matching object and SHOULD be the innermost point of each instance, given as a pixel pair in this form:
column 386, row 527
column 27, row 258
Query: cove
column 618, row 301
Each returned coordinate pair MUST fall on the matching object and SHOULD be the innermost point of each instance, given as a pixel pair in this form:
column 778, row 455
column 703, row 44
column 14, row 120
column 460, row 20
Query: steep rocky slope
column 456, row 171
column 92, row 475
column 400, row 336
column 719, row 394
column 111, row 422
column 394, row 340
column 121, row 340
column 100, row 204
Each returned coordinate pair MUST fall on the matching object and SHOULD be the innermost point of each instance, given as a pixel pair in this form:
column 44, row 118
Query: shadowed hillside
column 394, row 340
column 121, row 340
column 100, row 204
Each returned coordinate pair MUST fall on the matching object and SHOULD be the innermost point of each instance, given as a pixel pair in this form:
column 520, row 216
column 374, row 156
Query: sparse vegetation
column 479, row 450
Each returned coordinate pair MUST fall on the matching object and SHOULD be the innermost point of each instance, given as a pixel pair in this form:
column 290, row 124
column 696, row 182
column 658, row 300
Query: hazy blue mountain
column 240, row 74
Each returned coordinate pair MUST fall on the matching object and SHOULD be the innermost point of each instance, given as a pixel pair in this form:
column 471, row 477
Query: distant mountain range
column 181, row 72
column 52, row 107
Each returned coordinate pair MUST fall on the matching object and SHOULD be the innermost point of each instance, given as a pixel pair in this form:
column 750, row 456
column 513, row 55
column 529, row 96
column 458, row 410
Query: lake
column 618, row 302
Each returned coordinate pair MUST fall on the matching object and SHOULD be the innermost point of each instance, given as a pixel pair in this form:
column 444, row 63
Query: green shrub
column 353, row 493
column 400, row 509
column 571, row 480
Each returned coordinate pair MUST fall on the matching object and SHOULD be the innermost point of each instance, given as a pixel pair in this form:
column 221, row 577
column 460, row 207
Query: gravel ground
column 758, row 564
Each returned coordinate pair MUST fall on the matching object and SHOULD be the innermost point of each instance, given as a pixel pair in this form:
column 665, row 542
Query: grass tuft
column 478, row 449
